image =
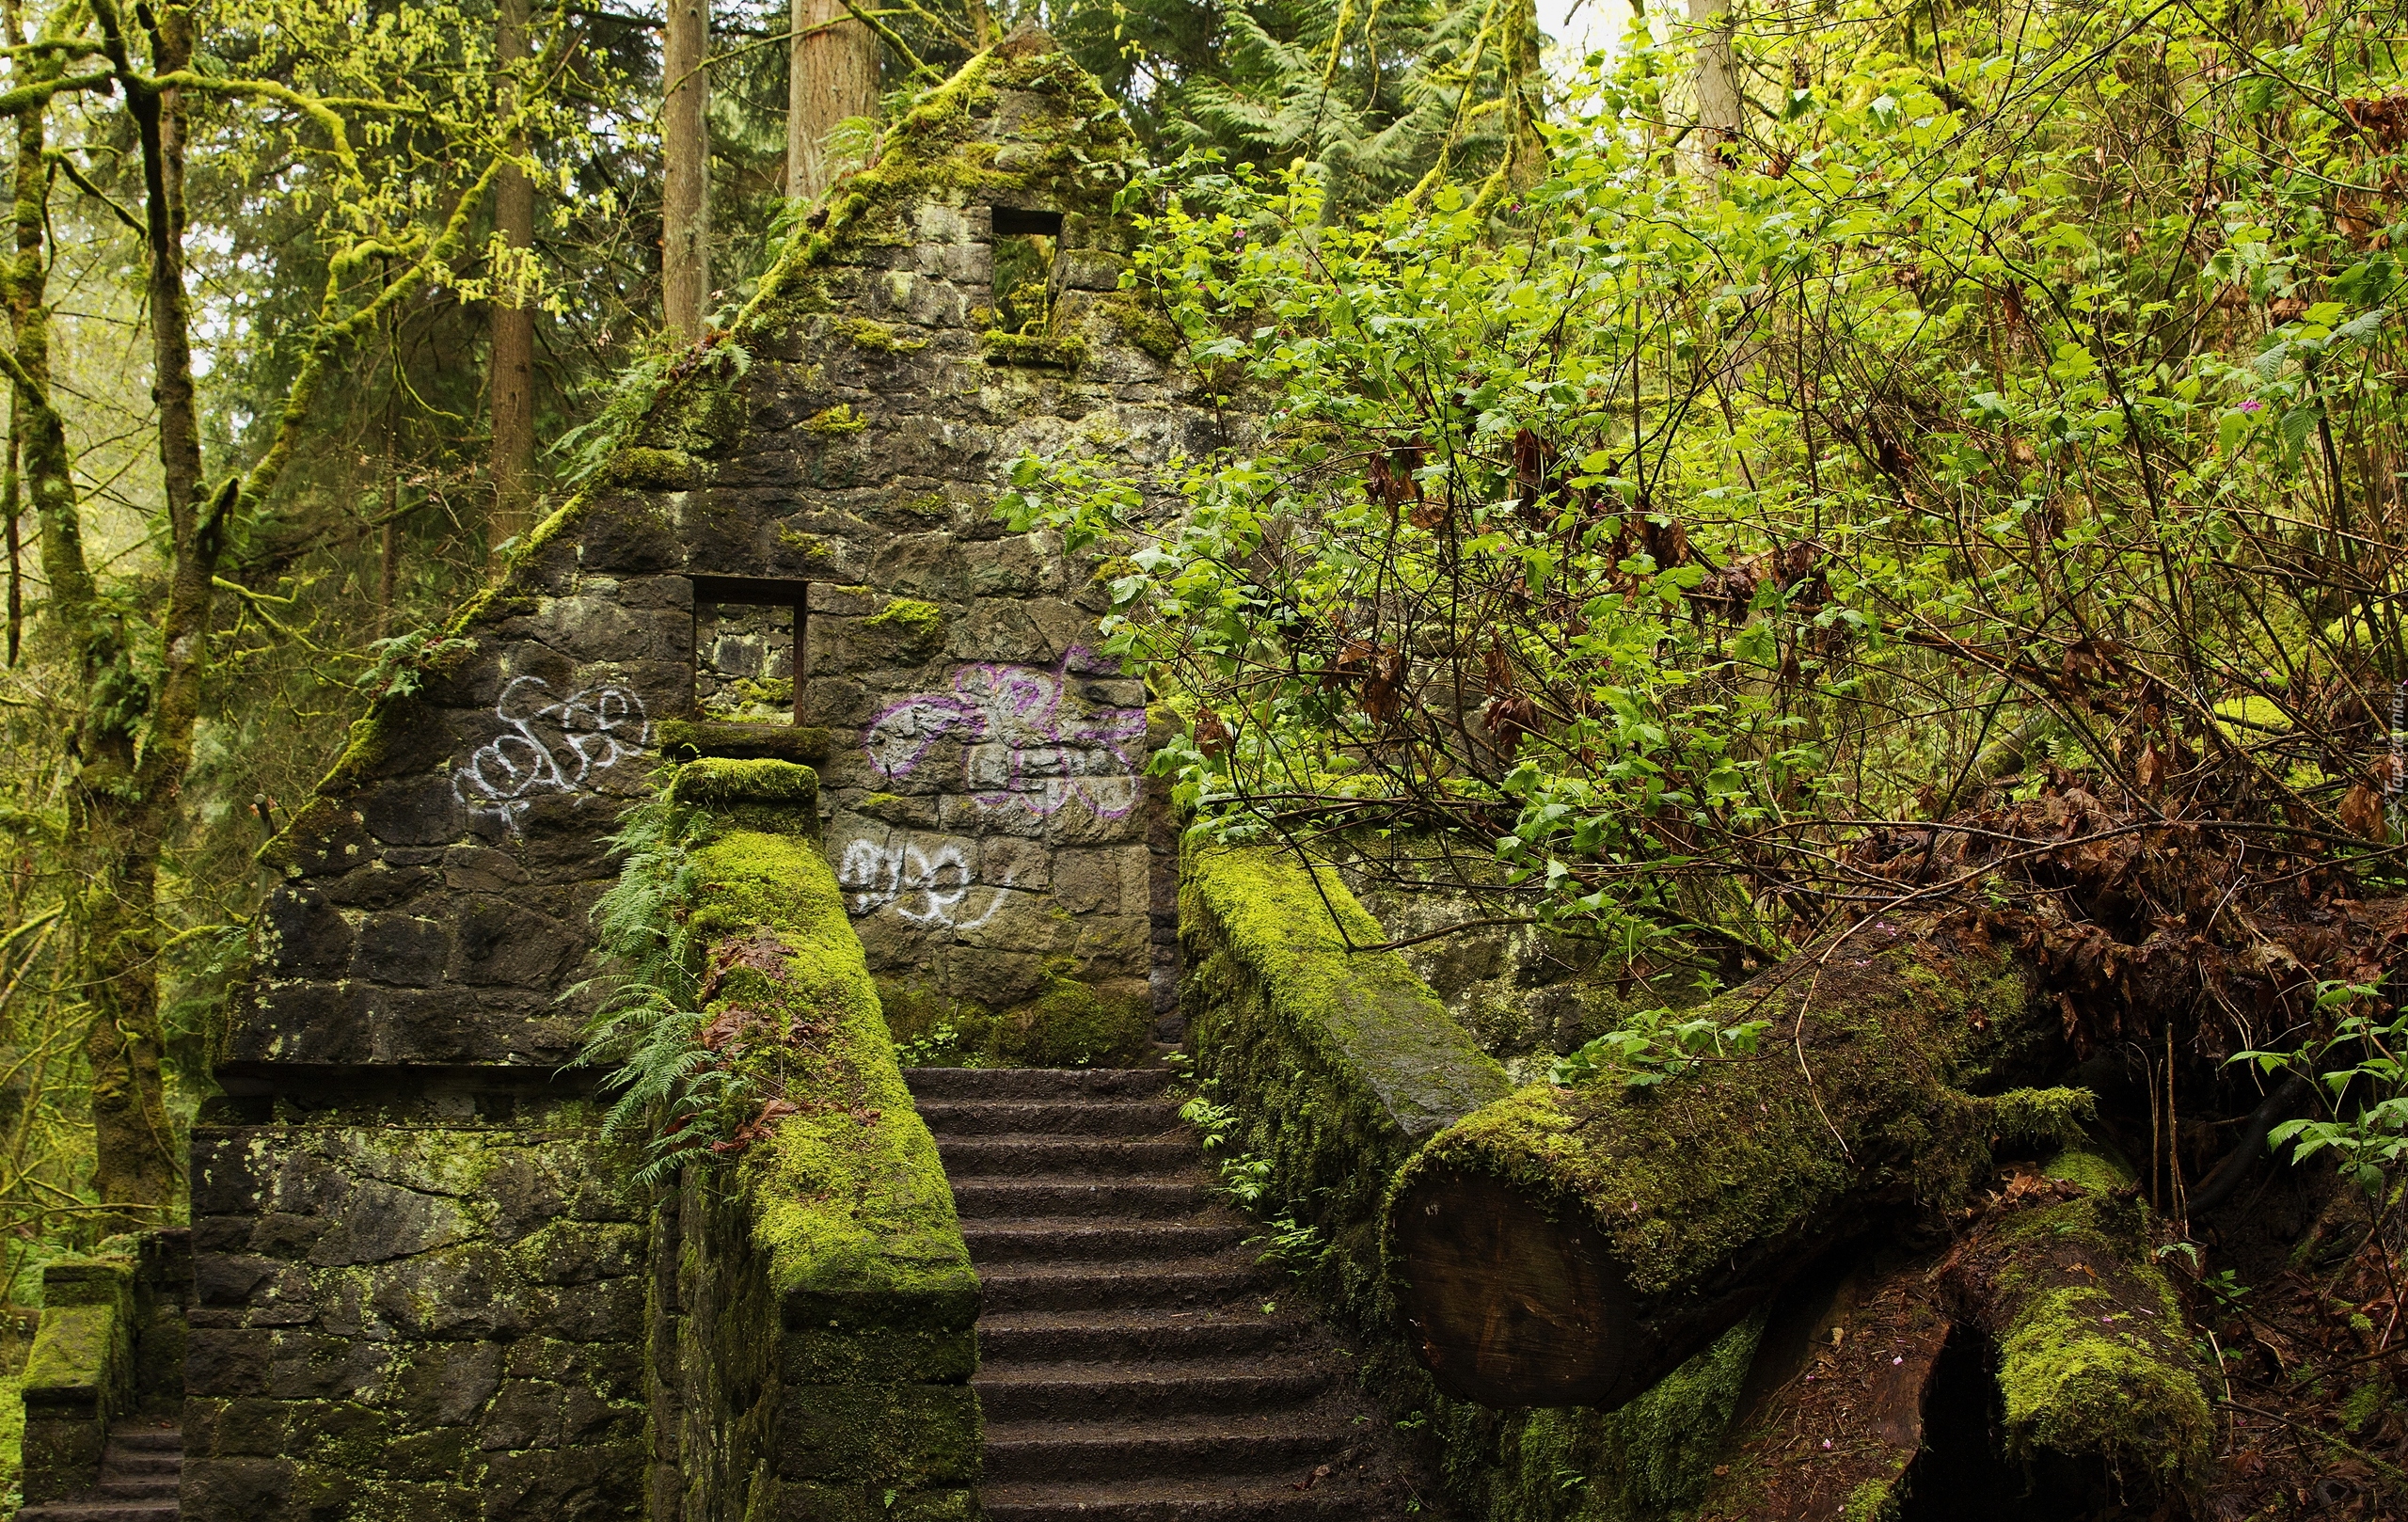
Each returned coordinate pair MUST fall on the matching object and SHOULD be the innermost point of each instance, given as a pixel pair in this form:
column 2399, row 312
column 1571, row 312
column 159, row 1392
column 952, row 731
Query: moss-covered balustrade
column 812, row 1300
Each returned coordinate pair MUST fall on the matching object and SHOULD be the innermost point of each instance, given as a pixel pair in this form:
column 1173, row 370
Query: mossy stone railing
column 819, row 1303
column 110, row 1342
column 1339, row 1062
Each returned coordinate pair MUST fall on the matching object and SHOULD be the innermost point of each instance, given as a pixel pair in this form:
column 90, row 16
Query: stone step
column 1178, row 1500
column 1152, row 1199
column 1076, row 1239
column 1192, row 1283
column 1064, row 1159
column 1139, row 1391
column 1048, row 1117
column 141, row 1471
column 1049, row 1337
column 1232, row 1448
column 1037, row 1083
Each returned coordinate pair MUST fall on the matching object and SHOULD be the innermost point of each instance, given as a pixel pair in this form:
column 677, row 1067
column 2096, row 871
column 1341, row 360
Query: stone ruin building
column 421, row 1288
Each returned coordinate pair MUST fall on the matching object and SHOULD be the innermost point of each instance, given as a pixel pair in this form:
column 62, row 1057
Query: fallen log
column 1571, row 1247
column 2100, row 1391
column 2042, row 1362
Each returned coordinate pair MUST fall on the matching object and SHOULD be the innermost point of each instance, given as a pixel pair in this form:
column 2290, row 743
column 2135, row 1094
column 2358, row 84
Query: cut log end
column 1507, row 1307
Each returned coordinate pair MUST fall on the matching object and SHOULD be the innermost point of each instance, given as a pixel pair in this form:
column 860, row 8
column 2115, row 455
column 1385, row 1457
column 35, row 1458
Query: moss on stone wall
column 845, row 1382
column 848, row 1196
column 1072, row 150
column 80, row 1374
column 753, row 793
column 1072, row 1024
column 905, row 629
column 1338, row 1062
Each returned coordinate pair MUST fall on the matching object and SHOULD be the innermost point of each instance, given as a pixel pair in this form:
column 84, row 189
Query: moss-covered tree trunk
column 2043, row 1349
column 134, row 736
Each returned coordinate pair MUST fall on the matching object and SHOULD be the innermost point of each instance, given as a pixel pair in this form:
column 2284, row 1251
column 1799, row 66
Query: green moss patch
column 760, row 793
column 869, row 334
column 651, row 470
column 2094, row 1360
column 835, row 421
column 1144, row 323
column 1043, row 350
column 905, row 629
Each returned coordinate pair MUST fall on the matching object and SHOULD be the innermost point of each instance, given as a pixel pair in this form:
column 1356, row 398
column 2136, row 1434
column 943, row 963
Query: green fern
column 648, row 1027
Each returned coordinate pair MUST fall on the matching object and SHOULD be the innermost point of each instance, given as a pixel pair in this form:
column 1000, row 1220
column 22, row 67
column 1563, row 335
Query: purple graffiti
column 1025, row 747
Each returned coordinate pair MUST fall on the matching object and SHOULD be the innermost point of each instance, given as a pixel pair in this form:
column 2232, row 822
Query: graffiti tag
column 927, row 887
column 549, row 747
column 1027, row 748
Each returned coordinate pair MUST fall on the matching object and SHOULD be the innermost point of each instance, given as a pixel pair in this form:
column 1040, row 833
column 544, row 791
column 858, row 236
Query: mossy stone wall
column 838, row 456
column 426, row 961
column 819, row 1295
column 430, row 1307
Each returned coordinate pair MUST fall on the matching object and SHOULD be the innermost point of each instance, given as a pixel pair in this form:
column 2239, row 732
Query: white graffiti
column 549, row 747
column 1027, row 749
column 928, row 885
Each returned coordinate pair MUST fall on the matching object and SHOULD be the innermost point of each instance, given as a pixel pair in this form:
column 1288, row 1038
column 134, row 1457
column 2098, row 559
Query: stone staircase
column 139, row 1473
column 1138, row 1363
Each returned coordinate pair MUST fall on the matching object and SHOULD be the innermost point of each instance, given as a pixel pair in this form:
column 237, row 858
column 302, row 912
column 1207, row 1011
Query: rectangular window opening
column 1025, row 242
column 749, row 639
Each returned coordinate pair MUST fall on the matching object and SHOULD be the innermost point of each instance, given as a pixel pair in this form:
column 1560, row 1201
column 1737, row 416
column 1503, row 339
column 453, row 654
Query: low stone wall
column 814, row 1303
column 423, row 1305
column 1341, row 1064
column 110, row 1342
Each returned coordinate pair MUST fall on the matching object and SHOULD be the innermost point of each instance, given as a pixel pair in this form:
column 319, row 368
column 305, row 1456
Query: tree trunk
column 12, row 504
column 1571, row 1247
column 833, row 76
column 513, row 319
column 1524, row 77
column 685, row 211
column 1716, row 86
column 131, row 784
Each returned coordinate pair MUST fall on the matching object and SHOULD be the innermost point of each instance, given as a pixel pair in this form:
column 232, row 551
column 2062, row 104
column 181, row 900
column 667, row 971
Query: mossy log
column 2100, row 1389
column 2042, row 1355
column 1571, row 1247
